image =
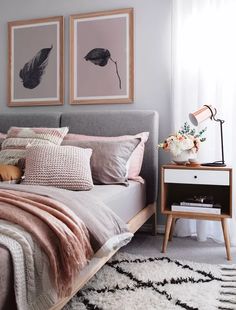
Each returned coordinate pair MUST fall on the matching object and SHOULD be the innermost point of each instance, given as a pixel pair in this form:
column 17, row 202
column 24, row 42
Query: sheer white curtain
column 204, row 72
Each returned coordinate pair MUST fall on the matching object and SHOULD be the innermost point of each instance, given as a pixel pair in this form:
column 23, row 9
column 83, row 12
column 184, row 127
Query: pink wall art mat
column 102, row 57
column 36, row 62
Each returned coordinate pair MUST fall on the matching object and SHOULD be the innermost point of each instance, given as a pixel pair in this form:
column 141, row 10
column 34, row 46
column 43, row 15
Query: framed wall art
column 36, row 62
column 101, row 57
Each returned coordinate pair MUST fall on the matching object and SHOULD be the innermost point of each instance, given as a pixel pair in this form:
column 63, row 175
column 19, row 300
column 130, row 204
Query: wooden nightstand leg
column 167, row 232
column 154, row 224
column 172, row 228
column 226, row 237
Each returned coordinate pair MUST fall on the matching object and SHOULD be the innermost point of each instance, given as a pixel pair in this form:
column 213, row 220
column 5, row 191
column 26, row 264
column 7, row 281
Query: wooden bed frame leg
column 167, row 232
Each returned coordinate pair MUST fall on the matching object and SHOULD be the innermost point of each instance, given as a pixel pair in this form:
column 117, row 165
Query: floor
column 180, row 248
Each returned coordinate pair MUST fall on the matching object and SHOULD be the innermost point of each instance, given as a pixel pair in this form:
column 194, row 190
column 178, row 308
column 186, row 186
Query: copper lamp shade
column 202, row 114
column 199, row 116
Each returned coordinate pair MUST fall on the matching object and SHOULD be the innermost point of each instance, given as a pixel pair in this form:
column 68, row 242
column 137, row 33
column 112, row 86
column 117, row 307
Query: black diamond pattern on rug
column 128, row 282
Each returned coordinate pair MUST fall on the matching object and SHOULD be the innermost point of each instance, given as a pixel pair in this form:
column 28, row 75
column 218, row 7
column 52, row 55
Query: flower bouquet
column 184, row 144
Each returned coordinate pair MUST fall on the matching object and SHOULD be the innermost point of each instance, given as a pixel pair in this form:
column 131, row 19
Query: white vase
column 182, row 158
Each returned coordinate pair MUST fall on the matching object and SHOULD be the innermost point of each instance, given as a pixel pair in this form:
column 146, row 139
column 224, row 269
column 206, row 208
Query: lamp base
column 214, row 164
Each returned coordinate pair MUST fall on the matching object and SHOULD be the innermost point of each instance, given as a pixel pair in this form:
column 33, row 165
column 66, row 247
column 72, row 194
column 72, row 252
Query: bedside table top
column 197, row 167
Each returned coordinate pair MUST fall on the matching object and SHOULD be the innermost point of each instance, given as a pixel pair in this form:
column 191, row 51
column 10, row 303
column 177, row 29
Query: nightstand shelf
column 181, row 182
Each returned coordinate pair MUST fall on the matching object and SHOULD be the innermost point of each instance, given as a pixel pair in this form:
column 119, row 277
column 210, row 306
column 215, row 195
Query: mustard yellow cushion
column 9, row 173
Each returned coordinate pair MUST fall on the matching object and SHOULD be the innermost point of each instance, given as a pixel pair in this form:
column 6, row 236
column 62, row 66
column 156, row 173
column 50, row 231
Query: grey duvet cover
column 103, row 225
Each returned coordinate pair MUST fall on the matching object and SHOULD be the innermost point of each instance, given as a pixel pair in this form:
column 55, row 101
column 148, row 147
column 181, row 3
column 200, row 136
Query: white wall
column 152, row 28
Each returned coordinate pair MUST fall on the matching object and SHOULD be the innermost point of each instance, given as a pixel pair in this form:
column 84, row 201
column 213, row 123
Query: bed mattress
column 125, row 201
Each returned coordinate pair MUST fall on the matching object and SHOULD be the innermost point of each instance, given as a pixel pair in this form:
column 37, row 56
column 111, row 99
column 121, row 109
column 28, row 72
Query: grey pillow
column 109, row 159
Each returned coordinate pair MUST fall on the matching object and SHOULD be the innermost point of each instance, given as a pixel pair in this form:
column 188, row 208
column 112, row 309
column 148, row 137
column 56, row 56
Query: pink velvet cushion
column 136, row 158
column 60, row 166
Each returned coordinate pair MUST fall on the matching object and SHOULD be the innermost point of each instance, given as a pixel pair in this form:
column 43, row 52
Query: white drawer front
column 189, row 176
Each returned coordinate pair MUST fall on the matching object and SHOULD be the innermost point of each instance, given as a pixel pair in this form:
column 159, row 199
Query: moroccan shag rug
column 130, row 282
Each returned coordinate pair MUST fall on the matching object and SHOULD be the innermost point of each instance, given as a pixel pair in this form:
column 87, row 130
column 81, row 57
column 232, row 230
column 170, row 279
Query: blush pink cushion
column 136, row 158
column 18, row 138
column 60, row 166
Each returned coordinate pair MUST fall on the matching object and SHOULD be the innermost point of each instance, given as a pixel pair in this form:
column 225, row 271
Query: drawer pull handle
column 195, row 177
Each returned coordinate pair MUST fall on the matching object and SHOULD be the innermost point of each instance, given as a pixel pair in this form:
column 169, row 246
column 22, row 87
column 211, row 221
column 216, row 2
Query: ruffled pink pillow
column 136, row 158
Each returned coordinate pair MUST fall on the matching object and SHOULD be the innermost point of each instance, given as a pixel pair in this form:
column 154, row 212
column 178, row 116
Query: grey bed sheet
column 125, row 201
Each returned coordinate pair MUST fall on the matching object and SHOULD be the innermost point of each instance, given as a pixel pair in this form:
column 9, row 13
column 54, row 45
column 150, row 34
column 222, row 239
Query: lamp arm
column 221, row 121
column 222, row 141
column 214, row 114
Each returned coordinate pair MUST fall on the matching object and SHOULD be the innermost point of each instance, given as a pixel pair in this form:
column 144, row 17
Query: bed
column 137, row 200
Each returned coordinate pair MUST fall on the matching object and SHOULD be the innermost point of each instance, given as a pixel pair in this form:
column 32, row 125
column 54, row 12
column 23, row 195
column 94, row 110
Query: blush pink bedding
column 66, row 224
column 62, row 236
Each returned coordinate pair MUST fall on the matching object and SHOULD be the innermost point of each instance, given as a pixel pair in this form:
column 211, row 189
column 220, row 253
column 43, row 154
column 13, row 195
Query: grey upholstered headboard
column 116, row 123
column 105, row 123
column 28, row 120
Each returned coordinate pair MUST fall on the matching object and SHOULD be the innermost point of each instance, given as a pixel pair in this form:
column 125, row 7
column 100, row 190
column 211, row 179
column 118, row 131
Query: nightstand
column 179, row 182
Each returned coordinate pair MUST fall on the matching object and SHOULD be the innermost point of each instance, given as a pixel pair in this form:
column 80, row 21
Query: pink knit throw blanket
column 60, row 233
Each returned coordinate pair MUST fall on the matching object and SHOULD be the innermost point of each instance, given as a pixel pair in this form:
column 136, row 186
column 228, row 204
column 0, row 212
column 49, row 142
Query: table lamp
column 199, row 116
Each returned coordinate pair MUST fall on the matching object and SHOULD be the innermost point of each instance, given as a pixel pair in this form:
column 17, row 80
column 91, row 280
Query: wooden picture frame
column 101, row 57
column 36, row 62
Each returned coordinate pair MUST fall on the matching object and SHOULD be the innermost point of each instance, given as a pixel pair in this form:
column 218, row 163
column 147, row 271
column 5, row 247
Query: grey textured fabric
column 28, row 120
column 117, row 123
column 7, row 296
column 125, row 201
column 109, row 159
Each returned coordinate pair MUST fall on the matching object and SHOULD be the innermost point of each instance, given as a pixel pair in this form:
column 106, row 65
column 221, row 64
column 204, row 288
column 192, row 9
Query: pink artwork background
column 27, row 42
column 93, row 80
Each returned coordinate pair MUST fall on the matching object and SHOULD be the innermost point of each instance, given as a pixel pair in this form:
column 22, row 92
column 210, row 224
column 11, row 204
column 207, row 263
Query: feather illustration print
column 100, row 57
column 32, row 72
